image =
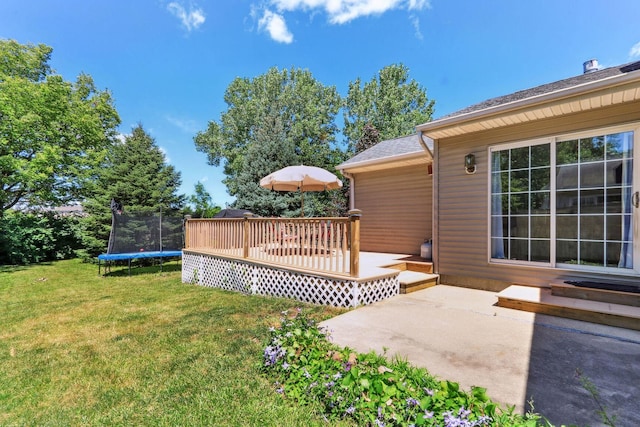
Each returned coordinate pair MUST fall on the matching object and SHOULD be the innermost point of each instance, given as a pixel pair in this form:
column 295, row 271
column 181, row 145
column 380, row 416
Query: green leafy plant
column 602, row 411
column 368, row 388
column 31, row 237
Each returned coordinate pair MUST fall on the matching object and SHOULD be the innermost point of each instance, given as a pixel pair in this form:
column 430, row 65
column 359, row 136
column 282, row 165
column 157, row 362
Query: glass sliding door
column 567, row 202
column 520, row 211
column 593, row 200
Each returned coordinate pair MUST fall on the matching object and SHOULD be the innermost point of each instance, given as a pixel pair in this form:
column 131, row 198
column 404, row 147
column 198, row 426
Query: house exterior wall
column 396, row 209
column 461, row 216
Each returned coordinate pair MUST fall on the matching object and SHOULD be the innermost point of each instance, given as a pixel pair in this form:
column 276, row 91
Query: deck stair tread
column 422, row 267
column 543, row 295
column 595, row 294
column 411, row 281
column 541, row 300
column 408, row 276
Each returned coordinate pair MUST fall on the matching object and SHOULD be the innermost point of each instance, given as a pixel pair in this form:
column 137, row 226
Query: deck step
column 411, row 281
column 421, row 266
column 543, row 301
column 593, row 294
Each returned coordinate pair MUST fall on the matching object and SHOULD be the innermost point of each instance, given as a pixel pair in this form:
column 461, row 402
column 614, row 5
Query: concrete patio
column 458, row 334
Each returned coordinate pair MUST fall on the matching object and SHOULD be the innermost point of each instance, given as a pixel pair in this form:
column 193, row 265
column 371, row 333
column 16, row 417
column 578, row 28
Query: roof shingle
column 548, row 88
column 390, row 148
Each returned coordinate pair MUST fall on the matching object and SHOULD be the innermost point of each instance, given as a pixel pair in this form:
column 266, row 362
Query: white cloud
column 121, row 137
column 416, row 26
column 635, row 51
column 165, row 153
column 276, row 26
column 186, row 125
column 419, row 4
column 343, row 11
column 191, row 19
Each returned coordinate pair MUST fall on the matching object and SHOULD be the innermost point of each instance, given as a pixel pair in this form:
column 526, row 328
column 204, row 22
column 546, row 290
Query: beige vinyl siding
column 396, row 209
column 461, row 246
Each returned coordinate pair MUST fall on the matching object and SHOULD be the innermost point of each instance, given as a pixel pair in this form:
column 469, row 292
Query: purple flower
column 463, row 413
column 484, row 420
column 350, row 410
column 411, row 402
column 337, row 376
column 272, row 354
column 427, row 415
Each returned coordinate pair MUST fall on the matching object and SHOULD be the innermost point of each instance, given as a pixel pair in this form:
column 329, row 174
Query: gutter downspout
column 352, row 189
column 424, row 144
column 434, row 202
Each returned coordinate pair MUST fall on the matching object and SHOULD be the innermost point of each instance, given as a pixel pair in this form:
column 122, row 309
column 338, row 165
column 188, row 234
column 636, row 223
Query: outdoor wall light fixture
column 470, row 164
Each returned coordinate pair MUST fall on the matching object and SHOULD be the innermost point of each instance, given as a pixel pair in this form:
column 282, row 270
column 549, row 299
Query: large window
column 564, row 201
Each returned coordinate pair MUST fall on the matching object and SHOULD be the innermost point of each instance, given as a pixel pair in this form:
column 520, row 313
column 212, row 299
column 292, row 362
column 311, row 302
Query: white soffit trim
column 413, row 158
column 601, row 93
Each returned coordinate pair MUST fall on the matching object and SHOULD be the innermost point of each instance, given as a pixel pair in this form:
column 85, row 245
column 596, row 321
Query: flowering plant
column 370, row 389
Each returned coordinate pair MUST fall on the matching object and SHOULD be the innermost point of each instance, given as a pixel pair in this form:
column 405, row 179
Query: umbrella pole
column 302, row 208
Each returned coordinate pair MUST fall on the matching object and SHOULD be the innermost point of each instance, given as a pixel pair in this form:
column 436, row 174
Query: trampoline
column 137, row 236
column 136, row 255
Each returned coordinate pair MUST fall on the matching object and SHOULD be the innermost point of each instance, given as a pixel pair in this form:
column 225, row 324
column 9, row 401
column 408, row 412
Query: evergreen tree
column 272, row 150
column 370, row 137
column 134, row 174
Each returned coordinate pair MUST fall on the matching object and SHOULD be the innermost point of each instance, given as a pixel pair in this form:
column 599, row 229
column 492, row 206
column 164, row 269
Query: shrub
column 27, row 238
column 368, row 388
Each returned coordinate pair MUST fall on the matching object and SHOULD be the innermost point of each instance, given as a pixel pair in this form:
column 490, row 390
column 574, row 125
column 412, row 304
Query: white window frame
column 631, row 127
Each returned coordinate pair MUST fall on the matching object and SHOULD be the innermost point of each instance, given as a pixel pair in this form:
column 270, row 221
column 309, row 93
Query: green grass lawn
column 77, row 348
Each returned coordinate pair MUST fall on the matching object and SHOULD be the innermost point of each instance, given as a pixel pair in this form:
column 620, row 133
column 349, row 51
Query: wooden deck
column 379, row 278
column 315, row 260
column 372, row 264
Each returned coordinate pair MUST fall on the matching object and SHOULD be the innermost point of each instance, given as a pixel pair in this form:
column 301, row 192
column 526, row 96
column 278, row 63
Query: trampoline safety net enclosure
column 131, row 233
column 143, row 236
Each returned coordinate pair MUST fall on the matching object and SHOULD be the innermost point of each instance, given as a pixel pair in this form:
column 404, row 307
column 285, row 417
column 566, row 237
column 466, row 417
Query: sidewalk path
column 458, row 334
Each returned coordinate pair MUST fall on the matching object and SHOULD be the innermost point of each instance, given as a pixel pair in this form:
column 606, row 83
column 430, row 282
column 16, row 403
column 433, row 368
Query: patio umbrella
column 301, row 178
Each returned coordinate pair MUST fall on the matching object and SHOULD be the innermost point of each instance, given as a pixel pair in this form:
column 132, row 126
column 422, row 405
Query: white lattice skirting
column 255, row 279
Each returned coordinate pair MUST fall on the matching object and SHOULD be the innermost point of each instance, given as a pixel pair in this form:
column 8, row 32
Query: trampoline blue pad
column 134, row 255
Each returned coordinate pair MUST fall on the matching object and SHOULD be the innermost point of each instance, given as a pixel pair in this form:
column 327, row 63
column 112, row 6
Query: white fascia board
column 531, row 101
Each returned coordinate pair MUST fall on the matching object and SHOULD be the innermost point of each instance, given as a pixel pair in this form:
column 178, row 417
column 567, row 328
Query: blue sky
column 168, row 63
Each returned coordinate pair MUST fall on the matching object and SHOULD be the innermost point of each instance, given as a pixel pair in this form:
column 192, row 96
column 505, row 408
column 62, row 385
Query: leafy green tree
column 52, row 132
column 136, row 175
column 30, row 237
column 202, row 203
column 389, row 102
column 305, row 111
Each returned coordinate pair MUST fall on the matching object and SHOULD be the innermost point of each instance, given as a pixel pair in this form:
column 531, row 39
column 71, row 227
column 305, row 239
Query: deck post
column 354, row 262
column 245, row 252
column 186, row 230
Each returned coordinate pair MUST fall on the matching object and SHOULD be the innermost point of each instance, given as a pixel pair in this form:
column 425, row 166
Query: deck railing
column 330, row 245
